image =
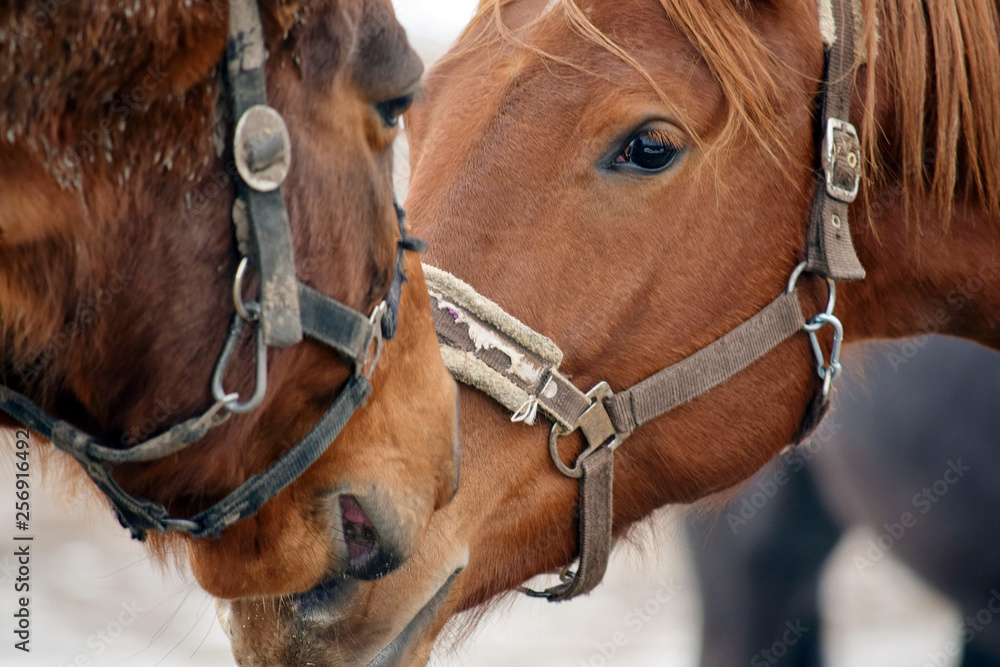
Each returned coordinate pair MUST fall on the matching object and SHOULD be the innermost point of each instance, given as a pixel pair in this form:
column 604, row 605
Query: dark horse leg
column 758, row 564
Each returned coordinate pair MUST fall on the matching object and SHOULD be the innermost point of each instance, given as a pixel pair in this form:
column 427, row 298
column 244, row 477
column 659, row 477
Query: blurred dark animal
column 910, row 451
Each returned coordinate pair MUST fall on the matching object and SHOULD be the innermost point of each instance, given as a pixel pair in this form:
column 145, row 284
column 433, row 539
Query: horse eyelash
column 662, row 136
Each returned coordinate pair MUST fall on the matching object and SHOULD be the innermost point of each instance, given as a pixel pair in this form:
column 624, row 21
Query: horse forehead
column 557, row 76
column 384, row 64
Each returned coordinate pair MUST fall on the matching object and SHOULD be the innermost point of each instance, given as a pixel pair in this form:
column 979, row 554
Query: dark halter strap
column 286, row 311
column 606, row 418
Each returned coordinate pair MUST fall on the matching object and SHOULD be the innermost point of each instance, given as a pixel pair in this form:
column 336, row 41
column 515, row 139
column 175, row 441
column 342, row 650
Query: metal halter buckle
column 596, row 426
column 841, row 142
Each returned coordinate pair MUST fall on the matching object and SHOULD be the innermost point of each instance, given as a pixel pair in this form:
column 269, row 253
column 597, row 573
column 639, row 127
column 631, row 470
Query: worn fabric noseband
column 285, row 311
column 485, row 347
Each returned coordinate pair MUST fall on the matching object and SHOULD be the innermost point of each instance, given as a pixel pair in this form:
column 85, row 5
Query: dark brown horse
column 634, row 180
column 909, row 452
column 117, row 263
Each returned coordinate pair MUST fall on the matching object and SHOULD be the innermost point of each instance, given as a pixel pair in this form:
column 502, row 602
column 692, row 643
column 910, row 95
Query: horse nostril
column 359, row 531
column 376, row 538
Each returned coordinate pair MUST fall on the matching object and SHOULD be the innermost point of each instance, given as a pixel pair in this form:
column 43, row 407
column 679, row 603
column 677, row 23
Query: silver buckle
column 835, row 127
column 596, row 426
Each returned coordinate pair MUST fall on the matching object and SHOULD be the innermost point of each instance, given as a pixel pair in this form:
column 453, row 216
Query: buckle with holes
column 841, row 150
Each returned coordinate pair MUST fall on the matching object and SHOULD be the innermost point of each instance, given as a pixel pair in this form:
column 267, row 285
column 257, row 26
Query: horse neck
column 929, row 239
column 946, row 280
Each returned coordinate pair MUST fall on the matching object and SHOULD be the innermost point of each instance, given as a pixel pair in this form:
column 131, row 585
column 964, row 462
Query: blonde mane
column 936, row 63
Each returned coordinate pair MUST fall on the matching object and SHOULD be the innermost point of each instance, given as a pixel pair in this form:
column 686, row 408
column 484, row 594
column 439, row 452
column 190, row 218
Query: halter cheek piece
column 485, row 347
column 286, row 311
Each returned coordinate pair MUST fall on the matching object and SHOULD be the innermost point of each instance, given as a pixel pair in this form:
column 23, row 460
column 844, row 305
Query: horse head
column 118, row 264
column 637, row 184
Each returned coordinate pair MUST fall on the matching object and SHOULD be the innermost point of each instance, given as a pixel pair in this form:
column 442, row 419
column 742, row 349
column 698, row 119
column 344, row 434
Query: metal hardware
column 827, row 371
column 262, row 148
column 246, row 314
column 218, row 393
column 565, row 575
column 182, row 525
column 366, row 365
column 595, row 424
column 208, row 420
column 837, row 133
column 831, row 299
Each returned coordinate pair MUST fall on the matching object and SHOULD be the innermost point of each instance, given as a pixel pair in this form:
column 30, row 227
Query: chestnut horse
column 634, row 181
column 117, row 265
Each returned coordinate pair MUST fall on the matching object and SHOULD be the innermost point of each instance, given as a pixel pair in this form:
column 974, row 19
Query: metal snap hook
column 827, row 371
column 220, row 394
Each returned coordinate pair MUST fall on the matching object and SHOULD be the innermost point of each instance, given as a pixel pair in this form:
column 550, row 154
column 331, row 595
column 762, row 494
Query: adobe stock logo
column 779, row 649
column 103, row 638
column 635, row 621
column 971, row 626
column 923, row 501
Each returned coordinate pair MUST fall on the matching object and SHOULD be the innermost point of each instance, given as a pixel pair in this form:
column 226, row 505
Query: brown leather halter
column 606, row 418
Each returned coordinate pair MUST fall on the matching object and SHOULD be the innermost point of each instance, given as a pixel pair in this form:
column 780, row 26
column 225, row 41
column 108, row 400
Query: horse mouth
column 393, row 654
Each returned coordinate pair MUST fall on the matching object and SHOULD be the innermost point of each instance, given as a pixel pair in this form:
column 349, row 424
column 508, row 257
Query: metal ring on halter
column 831, row 300
column 247, row 314
column 558, row 430
column 218, row 393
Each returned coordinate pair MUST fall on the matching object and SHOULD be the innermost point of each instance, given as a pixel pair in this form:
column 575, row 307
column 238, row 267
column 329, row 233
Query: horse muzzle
column 343, row 622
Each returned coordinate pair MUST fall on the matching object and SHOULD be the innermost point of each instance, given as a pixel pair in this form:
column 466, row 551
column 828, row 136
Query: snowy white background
column 97, row 599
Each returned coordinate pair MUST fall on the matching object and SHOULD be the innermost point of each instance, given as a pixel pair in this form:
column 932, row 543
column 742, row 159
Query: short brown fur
column 117, row 257
column 510, row 152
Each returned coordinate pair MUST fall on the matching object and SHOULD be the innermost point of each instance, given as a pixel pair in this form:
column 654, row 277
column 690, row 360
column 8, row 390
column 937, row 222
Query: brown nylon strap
column 595, row 529
column 708, row 367
column 562, row 400
column 829, row 249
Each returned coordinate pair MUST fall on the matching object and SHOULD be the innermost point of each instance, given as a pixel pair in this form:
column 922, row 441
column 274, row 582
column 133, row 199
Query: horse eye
column 649, row 151
column 391, row 110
